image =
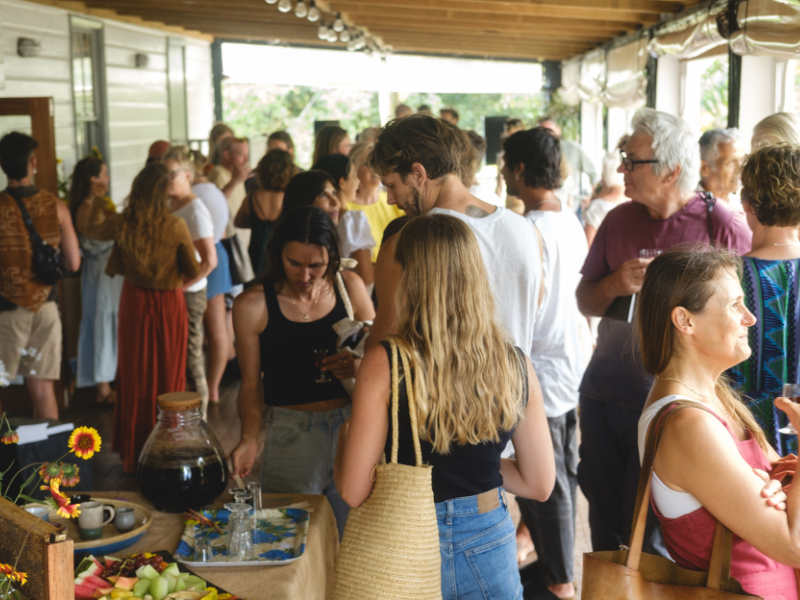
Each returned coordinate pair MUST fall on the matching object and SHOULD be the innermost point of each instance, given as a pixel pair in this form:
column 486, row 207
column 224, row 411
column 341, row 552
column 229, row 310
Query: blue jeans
column 299, row 454
column 479, row 551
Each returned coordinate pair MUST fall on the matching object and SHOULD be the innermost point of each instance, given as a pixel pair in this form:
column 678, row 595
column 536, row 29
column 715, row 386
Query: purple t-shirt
column 615, row 374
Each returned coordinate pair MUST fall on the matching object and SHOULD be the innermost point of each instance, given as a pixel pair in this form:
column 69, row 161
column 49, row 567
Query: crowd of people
column 663, row 283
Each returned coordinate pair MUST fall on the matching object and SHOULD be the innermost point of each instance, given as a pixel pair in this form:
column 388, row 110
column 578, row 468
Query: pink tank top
column 689, row 539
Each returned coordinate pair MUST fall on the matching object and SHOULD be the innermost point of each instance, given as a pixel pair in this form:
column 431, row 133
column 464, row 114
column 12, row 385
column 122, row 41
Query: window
column 88, row 85
column 714, row 95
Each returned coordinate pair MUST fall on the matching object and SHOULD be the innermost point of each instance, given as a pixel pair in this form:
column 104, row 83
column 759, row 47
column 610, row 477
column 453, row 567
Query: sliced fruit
column 85, row 591
column 94, row 581
column 113, row 579
column 141, row 588
column 146, row 572
column 171, row 569
column 100, row 592
column 159, row 588
column 110, row 560
column 193, row 582
column 180, row 585
column 172, row 581
column 126, row 583
column 184, row 575
column 117, row 593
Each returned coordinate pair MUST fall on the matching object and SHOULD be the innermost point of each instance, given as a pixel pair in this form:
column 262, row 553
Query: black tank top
column 467, row 470
column 287, row 355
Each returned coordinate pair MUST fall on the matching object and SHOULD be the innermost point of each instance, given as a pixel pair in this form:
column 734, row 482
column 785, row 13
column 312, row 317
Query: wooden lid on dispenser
column 179, row 401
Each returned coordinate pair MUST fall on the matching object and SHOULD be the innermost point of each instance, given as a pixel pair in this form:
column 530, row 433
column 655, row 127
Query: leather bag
column 634, row 575
column 46, row 261
column 390, row 547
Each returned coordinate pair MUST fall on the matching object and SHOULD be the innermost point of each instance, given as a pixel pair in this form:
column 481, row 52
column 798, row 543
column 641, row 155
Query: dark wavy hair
column 771, row 184
column 419, row 138
column 303, row 189
column 335, row 165
column 145, row 211
column 81, row 185
column 275, row 170
column 540, row 151
column 307, row 225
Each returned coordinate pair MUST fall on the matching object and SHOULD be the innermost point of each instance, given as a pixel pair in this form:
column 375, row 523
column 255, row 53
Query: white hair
column 710, row 141
column 611, row 177
column 673, row 145
column 774, row 129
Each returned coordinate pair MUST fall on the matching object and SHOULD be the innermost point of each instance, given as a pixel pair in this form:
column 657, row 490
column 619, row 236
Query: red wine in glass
column 321, row 353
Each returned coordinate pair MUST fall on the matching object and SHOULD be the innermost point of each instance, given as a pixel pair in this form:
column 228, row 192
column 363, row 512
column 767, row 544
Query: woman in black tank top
column 280, row 322
column 473, row 391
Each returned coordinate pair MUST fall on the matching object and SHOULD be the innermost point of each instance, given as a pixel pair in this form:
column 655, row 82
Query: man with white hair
column 660, row 164
column 721, row 157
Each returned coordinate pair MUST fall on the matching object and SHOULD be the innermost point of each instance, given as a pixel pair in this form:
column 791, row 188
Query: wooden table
column 310, row 578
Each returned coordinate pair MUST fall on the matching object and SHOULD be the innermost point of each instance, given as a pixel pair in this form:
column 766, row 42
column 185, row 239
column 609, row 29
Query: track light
column 345, row 35
column 285, row 6
column 301, row 10
column 338, row 24
column 322, row 32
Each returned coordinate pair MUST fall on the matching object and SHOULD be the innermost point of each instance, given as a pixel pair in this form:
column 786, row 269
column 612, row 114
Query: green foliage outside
column 714, row 96
column 254, row 110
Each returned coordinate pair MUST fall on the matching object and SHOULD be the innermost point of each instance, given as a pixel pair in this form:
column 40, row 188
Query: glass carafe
column 182, row 464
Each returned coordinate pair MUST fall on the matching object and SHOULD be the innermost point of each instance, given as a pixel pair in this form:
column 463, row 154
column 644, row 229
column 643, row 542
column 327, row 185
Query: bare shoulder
column 250, row 309
column 695, row 428
column 352, row 279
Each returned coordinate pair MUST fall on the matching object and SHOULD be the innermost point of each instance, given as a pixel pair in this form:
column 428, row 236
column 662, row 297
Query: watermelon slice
column 94, row 581
column 100, row 592
column 85, row 591
column 110, row 560
column 126, row 583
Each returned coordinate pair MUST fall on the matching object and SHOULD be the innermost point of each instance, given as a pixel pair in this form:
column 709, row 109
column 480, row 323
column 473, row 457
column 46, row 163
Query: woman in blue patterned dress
column 771, row 283
column 97, row 337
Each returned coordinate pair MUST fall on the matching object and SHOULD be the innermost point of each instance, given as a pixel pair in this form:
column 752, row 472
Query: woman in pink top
column 712, row 465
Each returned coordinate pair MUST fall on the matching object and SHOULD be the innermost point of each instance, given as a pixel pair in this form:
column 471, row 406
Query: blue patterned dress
column 771, row 293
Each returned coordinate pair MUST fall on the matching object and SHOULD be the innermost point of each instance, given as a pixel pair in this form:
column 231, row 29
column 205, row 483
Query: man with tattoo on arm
column 418, row 159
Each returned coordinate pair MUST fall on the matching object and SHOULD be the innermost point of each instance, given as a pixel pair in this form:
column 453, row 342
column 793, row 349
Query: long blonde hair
column 145, row 211
column 468, row 380
column 686, row 276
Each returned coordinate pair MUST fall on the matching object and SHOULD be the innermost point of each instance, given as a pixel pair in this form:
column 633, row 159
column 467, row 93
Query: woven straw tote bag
column 390, row 547
column 635, row 575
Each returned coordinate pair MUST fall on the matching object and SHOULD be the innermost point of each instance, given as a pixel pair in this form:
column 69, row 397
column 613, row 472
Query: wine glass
column 321, row 353
column 792, row 392
column 649, row 252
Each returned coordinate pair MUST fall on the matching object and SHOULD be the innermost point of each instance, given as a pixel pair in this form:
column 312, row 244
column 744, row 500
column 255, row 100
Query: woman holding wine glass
column 282, row 323
column 771, row 282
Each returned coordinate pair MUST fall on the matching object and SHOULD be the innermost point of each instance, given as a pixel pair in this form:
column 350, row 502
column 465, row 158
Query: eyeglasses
column 176, row 172
column 630, row 164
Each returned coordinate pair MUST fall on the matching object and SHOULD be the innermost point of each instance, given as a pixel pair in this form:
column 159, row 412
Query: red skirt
column 152, row 342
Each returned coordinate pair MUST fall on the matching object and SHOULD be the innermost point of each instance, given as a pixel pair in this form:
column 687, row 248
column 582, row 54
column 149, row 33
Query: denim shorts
column 479, row 551
column 299, row 453
column 219, row 280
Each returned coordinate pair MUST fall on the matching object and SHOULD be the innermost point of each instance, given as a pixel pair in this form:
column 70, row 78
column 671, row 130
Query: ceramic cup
column 91, row 520
column 125, row 519
column 80, row 498
column 38, row 510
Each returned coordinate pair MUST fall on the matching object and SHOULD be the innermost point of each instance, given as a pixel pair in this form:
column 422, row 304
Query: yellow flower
column 84, row 442
column 55, row 491
column 68, row 511
column 12, row 574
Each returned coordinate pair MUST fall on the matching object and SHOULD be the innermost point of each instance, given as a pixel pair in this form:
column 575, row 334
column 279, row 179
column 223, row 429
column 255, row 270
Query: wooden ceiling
column 518, row 29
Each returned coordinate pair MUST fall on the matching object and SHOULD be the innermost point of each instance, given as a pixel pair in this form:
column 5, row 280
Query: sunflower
column 84, row 442
column 70, row 476
column 11, row 437
column 50, row 471
column 13, row 574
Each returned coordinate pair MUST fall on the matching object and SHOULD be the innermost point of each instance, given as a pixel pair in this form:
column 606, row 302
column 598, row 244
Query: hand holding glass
column 792, row 392
column 321, row 353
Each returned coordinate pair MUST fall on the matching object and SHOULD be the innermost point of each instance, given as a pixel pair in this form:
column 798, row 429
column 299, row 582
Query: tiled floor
column 224, row 421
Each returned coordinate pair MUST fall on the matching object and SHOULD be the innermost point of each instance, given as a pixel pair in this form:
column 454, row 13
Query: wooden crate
column 47, row 557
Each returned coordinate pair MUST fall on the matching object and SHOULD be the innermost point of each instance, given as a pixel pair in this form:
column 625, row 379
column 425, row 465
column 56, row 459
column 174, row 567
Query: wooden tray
column 112, row 540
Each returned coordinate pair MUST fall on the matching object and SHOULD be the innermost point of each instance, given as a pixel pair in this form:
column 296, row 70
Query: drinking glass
column 202, row 551
column 649, row 252
column 240, row 533
column 792, row 392
column 321, row 353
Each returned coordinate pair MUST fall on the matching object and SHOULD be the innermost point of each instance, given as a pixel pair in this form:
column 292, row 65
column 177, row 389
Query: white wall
column 758, row 96
column 138, row 111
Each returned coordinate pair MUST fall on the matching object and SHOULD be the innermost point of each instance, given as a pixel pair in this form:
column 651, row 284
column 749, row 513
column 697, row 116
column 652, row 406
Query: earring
column 35, row 171
column 516, row 177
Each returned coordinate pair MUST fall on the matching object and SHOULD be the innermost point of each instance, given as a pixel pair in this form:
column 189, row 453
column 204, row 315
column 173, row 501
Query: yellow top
column 379, row 215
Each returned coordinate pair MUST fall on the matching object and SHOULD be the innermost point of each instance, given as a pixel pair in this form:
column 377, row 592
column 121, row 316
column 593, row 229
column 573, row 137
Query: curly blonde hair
column 771, row 184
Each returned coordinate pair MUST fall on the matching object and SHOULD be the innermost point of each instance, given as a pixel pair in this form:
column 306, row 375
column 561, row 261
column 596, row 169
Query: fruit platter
column 146, row 576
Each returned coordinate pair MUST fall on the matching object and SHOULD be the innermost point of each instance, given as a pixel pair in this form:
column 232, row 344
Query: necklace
column 709, row 398
column 791, row 244
column 305, row 316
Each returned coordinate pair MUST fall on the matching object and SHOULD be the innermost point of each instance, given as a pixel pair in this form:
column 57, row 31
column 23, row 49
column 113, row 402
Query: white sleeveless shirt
column 671, row 503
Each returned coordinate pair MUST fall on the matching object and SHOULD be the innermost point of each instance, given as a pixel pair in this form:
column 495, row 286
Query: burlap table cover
column 310, row 578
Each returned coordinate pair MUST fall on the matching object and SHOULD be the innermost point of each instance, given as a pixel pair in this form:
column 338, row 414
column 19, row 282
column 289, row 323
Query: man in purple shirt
column 660, row 163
